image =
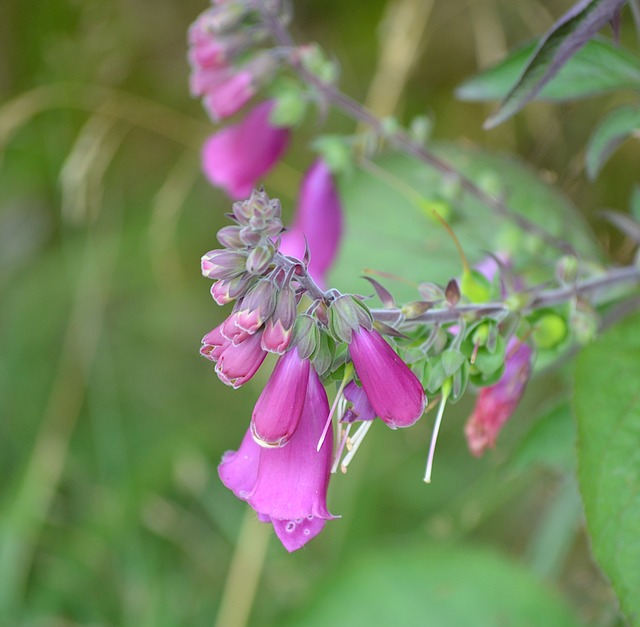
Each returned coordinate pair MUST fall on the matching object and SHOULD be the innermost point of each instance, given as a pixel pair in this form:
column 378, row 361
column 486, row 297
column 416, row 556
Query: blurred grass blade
column 612, row 131
column 600, row 67
column 570, row 33
column 629, row 226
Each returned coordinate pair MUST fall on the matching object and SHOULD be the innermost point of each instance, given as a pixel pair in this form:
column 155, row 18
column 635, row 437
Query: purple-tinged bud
column 213, row 343
column 496, row 404
column 260, row 258
column 257, row 306
column 250, row 237
column 216, row 20
column 223, row 264
column 229, row 237
column 279, row 328
column 238, row 363
column 361, row 409
column 229, row 95
column 287, row 486
column 318, row 219
column 277, row 412
column 346, row 315
column 227, row 291
column 236, row 157
column 232, row 332
column 393, row 390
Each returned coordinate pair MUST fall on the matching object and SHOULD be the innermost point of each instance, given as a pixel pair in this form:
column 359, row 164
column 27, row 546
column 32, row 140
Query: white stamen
column 343, row 441
column 357, row 439
column 434, row 439
column 330, row 416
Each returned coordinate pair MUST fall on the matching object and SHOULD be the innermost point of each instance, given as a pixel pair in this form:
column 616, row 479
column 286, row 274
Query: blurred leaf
column 607, row 405
column 570, row 33
column 435, row 586
column 550, row 442
column 384, row 228
column 611, row 132
column 599, row 67
column 627, row 225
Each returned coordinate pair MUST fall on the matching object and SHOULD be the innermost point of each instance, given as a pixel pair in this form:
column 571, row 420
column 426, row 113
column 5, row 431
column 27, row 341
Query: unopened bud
column 229, row 237
column 223, row 264
column 452, row 293
column 226, row 291
column 260, row 258
column 306, row 336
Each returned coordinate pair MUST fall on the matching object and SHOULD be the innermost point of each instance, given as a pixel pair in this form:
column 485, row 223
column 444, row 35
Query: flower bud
column 256, row 306
column 346, row 315
column 229, row 237
column 260, row 258
column 305, row 336
column 223, row 264
column 279, row 328
column 226, row 291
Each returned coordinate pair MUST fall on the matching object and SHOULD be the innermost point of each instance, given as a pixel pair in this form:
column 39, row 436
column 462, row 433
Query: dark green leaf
column 570, row 33
column 607, row 405
column 600, row 67
column 611, row 132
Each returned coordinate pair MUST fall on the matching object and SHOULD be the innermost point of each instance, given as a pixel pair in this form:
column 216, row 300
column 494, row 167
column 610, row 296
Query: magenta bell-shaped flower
column 236, row 157
column 394, row 392
column 277, row 412
column 287, row 486
column 495, row 404
column 319, row 219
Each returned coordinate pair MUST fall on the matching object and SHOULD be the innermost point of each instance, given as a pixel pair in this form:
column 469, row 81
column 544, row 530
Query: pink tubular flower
column 393, row 390
column 496, row 404
column 237, row 156
column 236, row 363
column 287, row 486
column 277, row 412
column 318, row 219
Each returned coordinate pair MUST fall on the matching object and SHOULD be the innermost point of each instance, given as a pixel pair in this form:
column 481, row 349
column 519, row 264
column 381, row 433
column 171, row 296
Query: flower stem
column 399, row 138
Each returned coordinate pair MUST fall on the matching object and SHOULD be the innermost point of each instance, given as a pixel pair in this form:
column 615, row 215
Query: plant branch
column 399, row 138
column 592, row 287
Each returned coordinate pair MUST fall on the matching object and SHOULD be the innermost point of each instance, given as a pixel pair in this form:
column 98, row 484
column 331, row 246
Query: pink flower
column 229, row 95
column 361, row 408
column 394, row 392
column 287, row 486
column 236, row 363
column 319, row 219
column 496, row 404
column 236, row 157
column 278, row 410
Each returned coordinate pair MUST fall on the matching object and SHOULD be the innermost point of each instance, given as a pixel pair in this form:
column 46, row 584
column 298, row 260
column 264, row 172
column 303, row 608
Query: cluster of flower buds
column 228, row 69
column 283, row 466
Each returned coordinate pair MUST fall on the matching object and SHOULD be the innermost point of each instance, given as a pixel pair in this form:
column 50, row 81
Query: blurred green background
column 111, row 425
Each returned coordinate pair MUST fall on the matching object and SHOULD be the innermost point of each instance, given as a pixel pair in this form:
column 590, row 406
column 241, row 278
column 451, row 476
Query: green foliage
column 598, row 68
column 435, row 586
column 612, row 131
column 383, row 226
column 607, row 406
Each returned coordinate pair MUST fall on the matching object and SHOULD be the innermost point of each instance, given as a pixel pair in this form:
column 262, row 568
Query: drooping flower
column 394, row 392
column 278, row 410
column 318, row 219
column 236, row 157
column 235, row 363
column 278, row 329
column 287, row 486
column 496, row 403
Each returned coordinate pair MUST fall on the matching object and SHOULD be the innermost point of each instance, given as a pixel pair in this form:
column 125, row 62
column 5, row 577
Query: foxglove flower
column 318, row 219
column 287, row 486
column 236, row 157
column 394, row 392
column 235, row 363
column 277, row 412
column 496, row 403
column 279, row 328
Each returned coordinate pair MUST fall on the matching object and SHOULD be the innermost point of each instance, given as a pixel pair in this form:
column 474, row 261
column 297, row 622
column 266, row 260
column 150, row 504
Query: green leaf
column 611, row 132
column 568, row 35
column 385, row 229
column 435, row 586
column 607, row 406
column 600, row 67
